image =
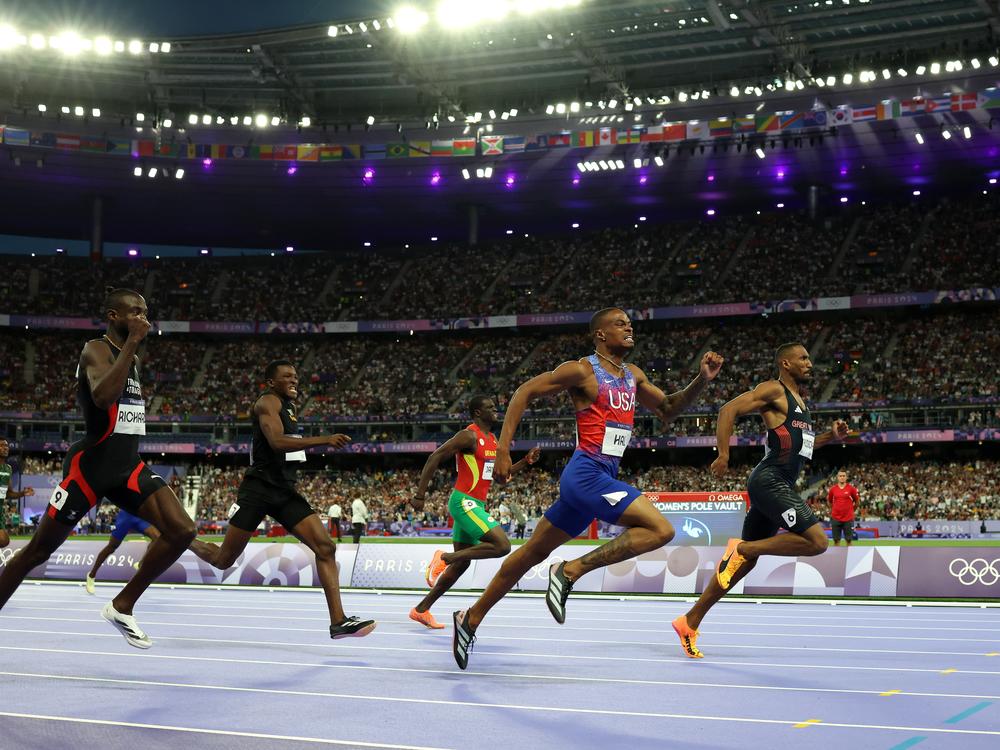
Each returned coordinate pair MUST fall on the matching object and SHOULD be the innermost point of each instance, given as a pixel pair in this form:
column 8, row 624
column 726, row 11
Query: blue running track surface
column 256, row 669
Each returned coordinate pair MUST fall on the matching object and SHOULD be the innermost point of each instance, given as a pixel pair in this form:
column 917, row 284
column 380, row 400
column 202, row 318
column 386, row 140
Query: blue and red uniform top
column 604, row 429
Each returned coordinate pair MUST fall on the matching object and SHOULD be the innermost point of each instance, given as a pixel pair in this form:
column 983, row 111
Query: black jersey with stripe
column 791, row 442
column 118, row 428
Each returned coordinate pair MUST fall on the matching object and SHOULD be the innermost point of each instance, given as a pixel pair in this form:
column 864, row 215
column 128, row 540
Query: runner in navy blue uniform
column 774, row 503
column 268, row 489
column 605, row 391
column 106, row 463
column 125, row 524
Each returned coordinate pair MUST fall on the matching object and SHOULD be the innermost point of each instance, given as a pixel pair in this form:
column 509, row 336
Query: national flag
column 16, row 137
column 911, row 107
column 792, row 120
column 863, row 114
column 306, row 152
column 463, row 147
column 676, row 131
column 287, row 152
column 652, row 134
column 119, row 146
column 889, row 109
column 816, row 118
column 989, row 99
column 266, row 152
column 252, row 152
column 142, row 148
column 697, row 129
column 767, row 123
column 397, row 151
column 441, row 148
column 744, row 124
column 491, row 145
column 936, row 103
column 720, row 128
column 607, row 137
column 219, row 151
column 963, row 102
column 68, row 142
column 45, row 140
column 420, row 149
column 237, row 152
column 375, row 151
column 513, row 144
column 584, row 139
column 841, row 116
column 1, row 133
column 629, row 136
column 351, row 151
column 93, row 145
column 172, row 150
column 559, row 140
column 330, row 153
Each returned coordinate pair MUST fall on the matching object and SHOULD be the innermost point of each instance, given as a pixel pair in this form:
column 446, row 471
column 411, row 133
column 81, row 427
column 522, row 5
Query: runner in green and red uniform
column 476, row 535
column 7, row 491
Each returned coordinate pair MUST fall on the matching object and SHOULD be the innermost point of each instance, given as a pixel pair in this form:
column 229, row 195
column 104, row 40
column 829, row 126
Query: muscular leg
column 103, row 555
column 46, row 540
column 647, row 530
column 310, row 532
column 812, row 541
column 176, row 528
column 494, row 543
column 545, row 538
column 4, row 538
column 447, row 579
column 222, row 557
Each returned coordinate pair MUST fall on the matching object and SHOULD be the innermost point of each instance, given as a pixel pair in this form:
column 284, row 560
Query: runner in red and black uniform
column 106, row 463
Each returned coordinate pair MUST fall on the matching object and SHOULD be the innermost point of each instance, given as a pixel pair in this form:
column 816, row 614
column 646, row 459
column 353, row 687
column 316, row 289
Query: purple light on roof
column 206, row 163
column 436, row 178
column 292, row 169
column 642, row 180
column 843, row 170
column 369, row 174
column 781, row 174
column 576, row 179
column 133, row 253
column 711, row 178
column 510, row 181
column 710, row 212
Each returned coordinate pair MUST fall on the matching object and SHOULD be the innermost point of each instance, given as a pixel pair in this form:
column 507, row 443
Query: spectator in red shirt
column 844, row 500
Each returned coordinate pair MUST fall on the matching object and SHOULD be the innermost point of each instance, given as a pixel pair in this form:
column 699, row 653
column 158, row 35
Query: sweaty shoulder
column 770, row 389
column 268, row 403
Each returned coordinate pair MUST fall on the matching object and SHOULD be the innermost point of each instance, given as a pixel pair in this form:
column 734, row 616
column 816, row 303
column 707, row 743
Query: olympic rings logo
column 976, row 571
column 541, row 571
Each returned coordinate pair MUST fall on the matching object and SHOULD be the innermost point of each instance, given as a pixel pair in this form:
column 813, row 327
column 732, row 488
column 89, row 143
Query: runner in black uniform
column 268, row 489
column 106, row 463
column 774, row 504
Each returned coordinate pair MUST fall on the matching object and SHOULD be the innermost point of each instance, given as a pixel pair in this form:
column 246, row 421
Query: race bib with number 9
column 59, row 497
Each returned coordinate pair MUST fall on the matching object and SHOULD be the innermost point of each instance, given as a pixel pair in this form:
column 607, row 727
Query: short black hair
column 477, row 402
column 115, row 296
column 272, row 367
column 597, row 319
column 782, row 350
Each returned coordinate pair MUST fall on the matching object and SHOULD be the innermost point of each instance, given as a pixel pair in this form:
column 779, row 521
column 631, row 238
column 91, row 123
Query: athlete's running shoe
column 558, row 592
column 127, row 626
column 462, row 639
column 352, row 627
column 689, row 638
column 435, row 567
column 731, row 562
column 425, row 618
column 89, row 584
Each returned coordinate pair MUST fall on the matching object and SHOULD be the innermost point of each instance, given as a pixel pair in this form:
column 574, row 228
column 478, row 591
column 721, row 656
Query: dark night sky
column 178, row 18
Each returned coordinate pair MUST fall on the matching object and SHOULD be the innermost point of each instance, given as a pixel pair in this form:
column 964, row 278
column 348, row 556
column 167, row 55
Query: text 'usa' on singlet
column 604, row 429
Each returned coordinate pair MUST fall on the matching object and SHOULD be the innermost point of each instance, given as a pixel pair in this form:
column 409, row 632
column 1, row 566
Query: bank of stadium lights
column 71, row 43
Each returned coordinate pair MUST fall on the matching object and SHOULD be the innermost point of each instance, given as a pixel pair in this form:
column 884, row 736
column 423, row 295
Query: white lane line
column 366, row 668
column 443, row 637
column 224, row 732
column 518, row 707
column 559, row 628
column 787, row 620
column 614, row 680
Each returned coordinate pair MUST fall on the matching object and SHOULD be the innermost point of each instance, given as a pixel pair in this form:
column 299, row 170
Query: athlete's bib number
column 488, row 471
column 59, row 497
column 295, row 456
column 808, row 442
column 130, row 420
column 616, row 440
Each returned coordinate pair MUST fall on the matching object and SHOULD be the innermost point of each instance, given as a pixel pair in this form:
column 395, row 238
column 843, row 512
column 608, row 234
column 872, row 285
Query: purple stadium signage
column 952, row 572
column 726, row 309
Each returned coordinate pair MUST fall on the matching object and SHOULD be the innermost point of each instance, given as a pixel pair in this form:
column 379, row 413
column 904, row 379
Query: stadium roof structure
column 471, row 68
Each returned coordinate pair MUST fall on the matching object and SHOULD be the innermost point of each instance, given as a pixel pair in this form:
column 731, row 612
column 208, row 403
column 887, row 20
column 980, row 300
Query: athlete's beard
column 120, row 329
